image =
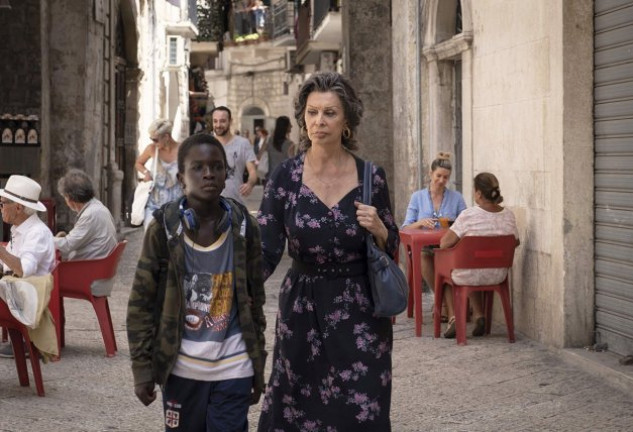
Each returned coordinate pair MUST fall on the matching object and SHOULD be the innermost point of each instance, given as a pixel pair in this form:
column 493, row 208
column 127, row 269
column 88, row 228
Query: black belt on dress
column 331, row 270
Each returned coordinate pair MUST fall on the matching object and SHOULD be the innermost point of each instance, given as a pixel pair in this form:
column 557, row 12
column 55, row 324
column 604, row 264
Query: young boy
column 195, row 319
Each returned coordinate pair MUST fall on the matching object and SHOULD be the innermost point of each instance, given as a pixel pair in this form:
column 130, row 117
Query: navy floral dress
column 331, row 366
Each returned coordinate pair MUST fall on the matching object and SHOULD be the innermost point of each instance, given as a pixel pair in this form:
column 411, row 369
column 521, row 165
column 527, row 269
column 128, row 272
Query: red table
column 414, row 239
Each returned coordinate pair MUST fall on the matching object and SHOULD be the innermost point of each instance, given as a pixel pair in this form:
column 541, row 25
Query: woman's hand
column 425, row 223
column 147, row 176
column 368, row 218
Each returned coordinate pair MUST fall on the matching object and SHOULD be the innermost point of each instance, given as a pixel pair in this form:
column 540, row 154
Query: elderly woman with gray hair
column 163, row 150
column 94, row 233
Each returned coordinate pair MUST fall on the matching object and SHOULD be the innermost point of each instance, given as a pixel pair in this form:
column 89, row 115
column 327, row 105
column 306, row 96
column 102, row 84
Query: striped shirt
column 212, row 347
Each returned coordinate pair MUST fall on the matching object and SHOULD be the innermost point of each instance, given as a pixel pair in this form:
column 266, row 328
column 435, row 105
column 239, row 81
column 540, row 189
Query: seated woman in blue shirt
column 430, row 203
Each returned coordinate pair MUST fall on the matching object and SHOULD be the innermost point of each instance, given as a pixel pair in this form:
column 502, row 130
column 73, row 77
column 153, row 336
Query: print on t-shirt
column 209, row 302
column 232, row 162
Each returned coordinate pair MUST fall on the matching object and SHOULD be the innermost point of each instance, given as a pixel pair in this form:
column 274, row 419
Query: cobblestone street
column 485, row 386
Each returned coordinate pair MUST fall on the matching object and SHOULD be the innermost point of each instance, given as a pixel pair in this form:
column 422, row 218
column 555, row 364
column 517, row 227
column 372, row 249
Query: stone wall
column 76, row 94
column 520, row 119
column 407, row 105
column 255, row 76
column 21, row 65
column 526, row 117
column 531, row 89
column 367, row 63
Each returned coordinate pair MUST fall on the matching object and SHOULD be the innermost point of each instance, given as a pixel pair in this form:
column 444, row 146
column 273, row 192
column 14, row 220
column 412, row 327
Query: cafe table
column 414, row 240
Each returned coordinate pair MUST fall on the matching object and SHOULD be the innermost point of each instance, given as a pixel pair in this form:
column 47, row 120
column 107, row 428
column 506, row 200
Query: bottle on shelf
column 7, row 128
column 20, row 132
column 32, row 136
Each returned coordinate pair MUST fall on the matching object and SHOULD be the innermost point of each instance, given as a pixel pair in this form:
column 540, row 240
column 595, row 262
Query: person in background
column 331, row 368
column 261, row 135
column 94, row 233
column 195, row 319
column 166, row 187
column 262, row 162
column 239, row 154
column 487, row 218
column 31, row 250
column 425, row 207
column 280, row 147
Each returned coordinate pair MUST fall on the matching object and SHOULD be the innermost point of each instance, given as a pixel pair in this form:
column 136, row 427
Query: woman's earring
column 347, row 132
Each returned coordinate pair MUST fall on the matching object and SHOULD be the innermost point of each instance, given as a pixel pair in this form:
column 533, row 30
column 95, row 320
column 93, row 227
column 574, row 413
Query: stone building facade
column 95, row 74
column 253, row 71
column 511, row 88
column 256, row 83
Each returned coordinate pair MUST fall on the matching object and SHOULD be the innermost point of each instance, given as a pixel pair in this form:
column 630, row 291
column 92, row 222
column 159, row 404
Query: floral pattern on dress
column 332, row 358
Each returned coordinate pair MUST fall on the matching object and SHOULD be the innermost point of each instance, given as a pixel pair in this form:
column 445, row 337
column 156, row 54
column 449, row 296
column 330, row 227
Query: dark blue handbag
column 389, row 287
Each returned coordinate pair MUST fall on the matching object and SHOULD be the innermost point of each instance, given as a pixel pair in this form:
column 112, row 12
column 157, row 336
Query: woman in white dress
column 166, row 186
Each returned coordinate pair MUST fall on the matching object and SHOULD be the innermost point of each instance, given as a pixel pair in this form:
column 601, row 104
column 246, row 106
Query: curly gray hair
column 352, row 105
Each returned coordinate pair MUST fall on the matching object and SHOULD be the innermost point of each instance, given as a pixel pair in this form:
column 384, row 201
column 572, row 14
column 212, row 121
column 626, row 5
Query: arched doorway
column 252, row 116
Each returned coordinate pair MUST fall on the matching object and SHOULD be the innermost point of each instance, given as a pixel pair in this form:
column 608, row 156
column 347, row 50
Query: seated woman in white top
column 487, row 218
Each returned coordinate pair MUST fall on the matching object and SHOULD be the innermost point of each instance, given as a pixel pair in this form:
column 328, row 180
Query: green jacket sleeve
column 255, row 278
column 143, row 304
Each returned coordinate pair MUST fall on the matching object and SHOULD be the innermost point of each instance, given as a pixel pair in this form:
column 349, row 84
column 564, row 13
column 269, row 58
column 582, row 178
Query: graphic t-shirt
column 238, row 152
column 212, row 347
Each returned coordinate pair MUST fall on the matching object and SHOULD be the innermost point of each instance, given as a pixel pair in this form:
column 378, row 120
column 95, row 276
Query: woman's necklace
column 436, row 209
column 326, row 184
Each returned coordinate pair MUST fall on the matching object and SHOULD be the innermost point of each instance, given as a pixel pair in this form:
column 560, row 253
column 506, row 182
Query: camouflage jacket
column 156, row 307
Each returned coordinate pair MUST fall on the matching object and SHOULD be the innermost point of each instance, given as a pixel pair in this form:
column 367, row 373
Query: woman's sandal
column 450, row 330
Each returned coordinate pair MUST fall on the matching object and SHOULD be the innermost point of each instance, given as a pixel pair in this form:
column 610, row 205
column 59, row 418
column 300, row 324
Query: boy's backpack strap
column 163, row 262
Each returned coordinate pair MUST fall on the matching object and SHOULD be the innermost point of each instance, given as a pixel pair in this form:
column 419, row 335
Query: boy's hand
column 145, row 392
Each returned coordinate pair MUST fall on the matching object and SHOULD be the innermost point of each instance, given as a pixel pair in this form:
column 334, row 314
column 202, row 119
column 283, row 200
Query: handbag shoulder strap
column 367, row 181
column 155, row 162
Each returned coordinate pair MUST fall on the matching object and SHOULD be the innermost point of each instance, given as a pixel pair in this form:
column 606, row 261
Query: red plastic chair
column 75, row 278
column 53, row 305
column 474, row 252
column 19, row 335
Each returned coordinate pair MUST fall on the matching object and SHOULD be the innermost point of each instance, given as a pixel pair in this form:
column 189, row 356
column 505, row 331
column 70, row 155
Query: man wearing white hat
column 31, row 251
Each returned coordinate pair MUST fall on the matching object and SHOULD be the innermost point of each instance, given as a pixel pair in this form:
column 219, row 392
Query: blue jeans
column 207, row 406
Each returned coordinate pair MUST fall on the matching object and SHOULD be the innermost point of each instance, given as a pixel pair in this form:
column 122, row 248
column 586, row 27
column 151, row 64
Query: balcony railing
column 283, row 17
column 252, row 24
column 321, row 9
column 245, row 24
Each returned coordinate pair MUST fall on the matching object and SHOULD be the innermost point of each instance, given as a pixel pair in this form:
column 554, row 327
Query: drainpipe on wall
column 418, row 92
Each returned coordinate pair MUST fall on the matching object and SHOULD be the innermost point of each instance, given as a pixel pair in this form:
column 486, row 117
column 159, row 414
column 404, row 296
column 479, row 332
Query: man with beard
column 239, row 154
